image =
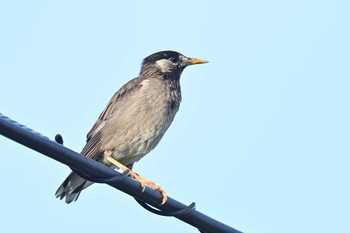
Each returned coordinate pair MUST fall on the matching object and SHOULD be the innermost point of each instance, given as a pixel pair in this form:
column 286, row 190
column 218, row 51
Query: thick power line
column 96, row 172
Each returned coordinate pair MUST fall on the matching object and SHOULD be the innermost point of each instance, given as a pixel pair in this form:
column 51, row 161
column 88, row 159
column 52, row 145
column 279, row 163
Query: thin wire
column 90, row 168
column 176, row 213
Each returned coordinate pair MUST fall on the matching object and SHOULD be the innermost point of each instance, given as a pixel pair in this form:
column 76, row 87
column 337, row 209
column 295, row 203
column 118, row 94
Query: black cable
column 94, row 170
column 176, row 213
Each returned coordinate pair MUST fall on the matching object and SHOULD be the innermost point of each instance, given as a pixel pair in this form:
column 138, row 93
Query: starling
column 134, row 120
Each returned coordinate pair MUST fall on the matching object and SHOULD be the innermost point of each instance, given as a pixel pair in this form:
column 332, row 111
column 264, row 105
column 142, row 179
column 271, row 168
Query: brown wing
column 93, row 142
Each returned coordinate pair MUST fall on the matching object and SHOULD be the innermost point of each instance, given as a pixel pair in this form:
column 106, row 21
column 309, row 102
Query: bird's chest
column 160, row 109
column 161, row 99
column 142, row 122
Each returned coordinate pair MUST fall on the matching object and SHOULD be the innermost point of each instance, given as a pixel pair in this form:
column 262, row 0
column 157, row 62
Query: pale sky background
column 261, row 141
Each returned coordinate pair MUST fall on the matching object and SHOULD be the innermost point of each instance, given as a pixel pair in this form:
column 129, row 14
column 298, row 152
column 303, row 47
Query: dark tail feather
column 71, row 187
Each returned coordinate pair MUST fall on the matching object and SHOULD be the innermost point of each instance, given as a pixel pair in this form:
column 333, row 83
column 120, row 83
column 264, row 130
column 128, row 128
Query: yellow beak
column 194, row 61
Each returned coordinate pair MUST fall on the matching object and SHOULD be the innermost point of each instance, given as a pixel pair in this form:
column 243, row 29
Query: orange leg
column 141, row 180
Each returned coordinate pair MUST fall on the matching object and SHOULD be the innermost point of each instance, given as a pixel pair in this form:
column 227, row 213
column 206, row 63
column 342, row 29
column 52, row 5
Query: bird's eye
column 173, row 59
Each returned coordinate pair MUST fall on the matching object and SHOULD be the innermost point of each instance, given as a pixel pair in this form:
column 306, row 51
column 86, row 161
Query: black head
column 167, row 54
column 170, row 61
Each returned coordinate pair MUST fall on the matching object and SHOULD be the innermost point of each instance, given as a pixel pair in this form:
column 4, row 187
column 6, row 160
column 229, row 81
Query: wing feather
column 93, row 142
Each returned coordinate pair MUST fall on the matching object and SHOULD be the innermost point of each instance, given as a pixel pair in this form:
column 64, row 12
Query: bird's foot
column 141, row 180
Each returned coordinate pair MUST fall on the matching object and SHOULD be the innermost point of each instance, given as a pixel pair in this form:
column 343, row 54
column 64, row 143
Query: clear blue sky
column 261, row 141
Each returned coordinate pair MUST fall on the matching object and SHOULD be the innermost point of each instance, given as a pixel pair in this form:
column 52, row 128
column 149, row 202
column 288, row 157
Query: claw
column 162, row 192
column 141, row 180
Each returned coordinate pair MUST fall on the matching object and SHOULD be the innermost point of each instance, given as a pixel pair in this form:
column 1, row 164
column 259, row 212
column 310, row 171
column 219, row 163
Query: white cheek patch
column 165, row 65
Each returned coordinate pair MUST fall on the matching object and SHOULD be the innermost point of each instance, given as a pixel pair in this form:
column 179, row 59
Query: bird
column 134, row 120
